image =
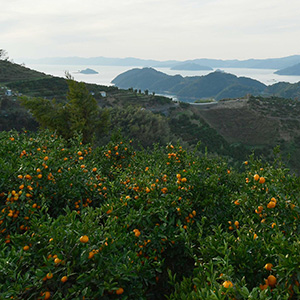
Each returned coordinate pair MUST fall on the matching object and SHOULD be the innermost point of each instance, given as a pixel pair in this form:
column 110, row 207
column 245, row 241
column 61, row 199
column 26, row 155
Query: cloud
column 165, row 29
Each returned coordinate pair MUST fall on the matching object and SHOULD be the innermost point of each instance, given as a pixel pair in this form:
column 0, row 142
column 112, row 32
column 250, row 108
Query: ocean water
column 108, row 73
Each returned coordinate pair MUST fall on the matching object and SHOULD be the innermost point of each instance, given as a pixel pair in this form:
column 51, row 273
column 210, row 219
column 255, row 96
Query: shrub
column 111, row 222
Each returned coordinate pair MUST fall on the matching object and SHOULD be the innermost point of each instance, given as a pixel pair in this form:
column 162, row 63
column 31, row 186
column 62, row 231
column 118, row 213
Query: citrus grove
column 78, row 222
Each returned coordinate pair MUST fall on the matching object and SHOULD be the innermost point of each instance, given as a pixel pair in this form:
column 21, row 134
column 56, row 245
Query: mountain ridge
column 268, row 63
column 217, row 85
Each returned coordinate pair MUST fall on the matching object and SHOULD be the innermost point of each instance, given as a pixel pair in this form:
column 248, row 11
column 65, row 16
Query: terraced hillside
column 233, row 127
column 254, row 121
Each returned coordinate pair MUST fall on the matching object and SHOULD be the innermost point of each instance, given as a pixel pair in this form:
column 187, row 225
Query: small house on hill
column 8, row 93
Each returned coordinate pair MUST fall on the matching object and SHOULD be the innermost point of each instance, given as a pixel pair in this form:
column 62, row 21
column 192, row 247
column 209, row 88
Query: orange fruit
column 137, row 233
column 57, row 260
column 84, row 239
column 49, row 275
column 272, row 280
column 25, row 248
column 64, row 279
column 227, row 284
column 263, row 287
column 256, row 177
column 262, row 180
column 46, row 295
column 268, row 266
column 119, row 291
column 271, row 204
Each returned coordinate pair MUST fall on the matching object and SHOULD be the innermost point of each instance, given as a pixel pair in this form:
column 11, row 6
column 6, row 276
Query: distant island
column 189, row 66
column 216, row 85
column 88, row 71
column 293, row 70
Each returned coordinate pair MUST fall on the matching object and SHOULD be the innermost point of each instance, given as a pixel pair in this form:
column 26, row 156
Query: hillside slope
column 293, row 70
column 233, row 128
column 10, row 72
column 258, row 123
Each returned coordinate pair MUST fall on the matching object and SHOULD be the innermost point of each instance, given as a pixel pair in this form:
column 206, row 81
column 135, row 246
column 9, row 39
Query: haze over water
column 108, row 73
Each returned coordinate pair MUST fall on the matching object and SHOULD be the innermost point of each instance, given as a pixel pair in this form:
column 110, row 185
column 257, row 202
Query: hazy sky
column 150, row 29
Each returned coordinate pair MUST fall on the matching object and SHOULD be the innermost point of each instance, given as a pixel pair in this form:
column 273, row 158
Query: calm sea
column 108, row 73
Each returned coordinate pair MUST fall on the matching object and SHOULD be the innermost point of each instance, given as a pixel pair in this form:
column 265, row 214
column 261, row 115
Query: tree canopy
column 79, row 113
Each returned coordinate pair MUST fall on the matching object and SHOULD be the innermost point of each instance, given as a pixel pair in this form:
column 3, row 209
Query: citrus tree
column 78, row 222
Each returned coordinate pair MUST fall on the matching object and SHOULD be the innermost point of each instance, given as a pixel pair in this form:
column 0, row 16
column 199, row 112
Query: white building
column 8, row 93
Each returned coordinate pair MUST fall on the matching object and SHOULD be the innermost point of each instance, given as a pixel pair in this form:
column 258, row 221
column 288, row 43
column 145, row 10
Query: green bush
column 159, row 224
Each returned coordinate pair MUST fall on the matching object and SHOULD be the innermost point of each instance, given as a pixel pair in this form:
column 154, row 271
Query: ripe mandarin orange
column 119, row 291
column 256, row 177
column 262, row 180
column 268, row 266
column 84, row 239
column 227, row 284
column 46, row 295
column 272, row 280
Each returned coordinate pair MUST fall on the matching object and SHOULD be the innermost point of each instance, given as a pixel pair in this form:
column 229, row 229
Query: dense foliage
column 78, row 222
column 14, row 116
column 79, row 113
